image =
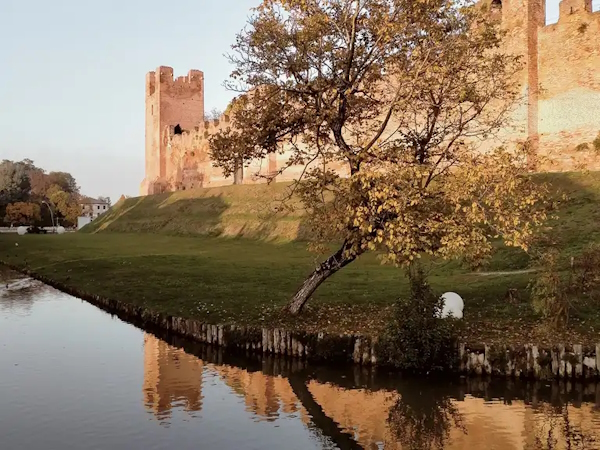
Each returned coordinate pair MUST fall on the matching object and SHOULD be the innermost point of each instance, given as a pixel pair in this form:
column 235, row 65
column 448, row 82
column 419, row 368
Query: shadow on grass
column 232, row 211
column 156, row 213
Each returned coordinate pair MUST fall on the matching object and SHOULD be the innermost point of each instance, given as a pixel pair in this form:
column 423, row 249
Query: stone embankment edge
column 572, row 362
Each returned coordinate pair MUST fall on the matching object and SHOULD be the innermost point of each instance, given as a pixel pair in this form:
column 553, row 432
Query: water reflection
column 18, row 294
column 70, row 373
column 172, row 379
column 265, row 396
column 360, row 409
column 425, row 418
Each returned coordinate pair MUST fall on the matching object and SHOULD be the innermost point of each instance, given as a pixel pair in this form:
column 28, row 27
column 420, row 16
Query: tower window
column 177, row 129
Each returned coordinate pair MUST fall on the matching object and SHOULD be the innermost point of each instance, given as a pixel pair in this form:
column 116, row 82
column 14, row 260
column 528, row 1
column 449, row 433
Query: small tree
column 105, row 199
column 555, row 291
column 418, row 339
column 396, row 93
column 15, row 185
column 213, row 114
column 22, row 213
column 66, row 204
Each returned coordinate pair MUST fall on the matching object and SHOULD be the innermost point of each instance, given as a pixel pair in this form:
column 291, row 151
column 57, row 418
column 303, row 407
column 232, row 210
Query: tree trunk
column 321, row 420
column 238, row 174
column 327, row 268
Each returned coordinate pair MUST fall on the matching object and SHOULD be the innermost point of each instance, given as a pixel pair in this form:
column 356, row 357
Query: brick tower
column 169, row 103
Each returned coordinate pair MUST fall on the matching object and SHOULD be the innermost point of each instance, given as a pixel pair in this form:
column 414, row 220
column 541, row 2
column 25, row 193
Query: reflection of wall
column 364, row 414
column 171, row 378
column 264, row 395
column 360, row 412
column 499, row 426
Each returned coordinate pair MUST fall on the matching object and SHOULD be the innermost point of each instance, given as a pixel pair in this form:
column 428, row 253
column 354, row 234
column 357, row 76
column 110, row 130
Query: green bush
column 417, row 340
column 555, row 292
column 550, row 290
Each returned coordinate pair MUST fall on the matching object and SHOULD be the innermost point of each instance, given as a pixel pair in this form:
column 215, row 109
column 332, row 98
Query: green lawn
column 248, row 282
column 171, row 266
column 232, row 211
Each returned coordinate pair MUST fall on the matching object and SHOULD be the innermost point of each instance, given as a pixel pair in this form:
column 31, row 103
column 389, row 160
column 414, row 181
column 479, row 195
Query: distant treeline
column 28, row 192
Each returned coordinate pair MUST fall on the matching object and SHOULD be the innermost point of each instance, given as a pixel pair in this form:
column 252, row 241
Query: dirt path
column 509, row 272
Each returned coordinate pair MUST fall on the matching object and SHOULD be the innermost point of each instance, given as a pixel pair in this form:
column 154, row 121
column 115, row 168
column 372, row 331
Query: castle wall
column 558, row 109
column 188, row 164
column 188, row 161
column 569, row 104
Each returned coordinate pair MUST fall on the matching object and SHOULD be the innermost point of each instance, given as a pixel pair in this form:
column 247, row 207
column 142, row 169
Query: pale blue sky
column 72, row 78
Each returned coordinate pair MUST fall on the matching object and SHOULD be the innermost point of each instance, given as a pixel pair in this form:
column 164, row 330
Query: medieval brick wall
column 558, row 113
column 569, row 76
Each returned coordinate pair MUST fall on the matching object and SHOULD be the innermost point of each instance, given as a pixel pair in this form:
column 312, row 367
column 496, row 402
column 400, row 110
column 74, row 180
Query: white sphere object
column 453, row 305
column 21, row 231
column 60, row 230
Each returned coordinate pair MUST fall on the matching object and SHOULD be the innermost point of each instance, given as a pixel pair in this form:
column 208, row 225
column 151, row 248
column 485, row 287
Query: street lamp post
column 51, row 214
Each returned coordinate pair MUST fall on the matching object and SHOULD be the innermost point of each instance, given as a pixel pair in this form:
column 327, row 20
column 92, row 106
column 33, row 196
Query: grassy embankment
column 217, row 255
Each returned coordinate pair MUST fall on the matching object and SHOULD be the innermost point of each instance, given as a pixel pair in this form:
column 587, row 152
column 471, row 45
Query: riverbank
column 170, row 267
column 153, row 378
column 571, row 362
column 246, row 283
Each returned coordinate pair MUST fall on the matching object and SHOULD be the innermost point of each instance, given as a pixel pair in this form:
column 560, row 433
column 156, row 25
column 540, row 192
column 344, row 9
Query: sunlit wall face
column 552, row 10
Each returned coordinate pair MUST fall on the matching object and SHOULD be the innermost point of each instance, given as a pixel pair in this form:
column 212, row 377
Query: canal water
column 75, row 377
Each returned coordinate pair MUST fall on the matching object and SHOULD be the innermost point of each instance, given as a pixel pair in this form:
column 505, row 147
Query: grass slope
column 234, row 211
column 178, row 266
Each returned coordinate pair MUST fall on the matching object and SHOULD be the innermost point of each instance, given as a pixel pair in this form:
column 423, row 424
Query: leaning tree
column 398, row 94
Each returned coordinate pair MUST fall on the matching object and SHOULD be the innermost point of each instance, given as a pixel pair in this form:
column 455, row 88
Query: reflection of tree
column 555, row 429
column 422, row 418
column 321, row 420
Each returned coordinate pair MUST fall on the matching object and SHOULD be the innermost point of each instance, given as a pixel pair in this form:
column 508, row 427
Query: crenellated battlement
column 573, row 26
column 150, row 83
column 164, row 76
column 512, row 13
column 570, row 8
